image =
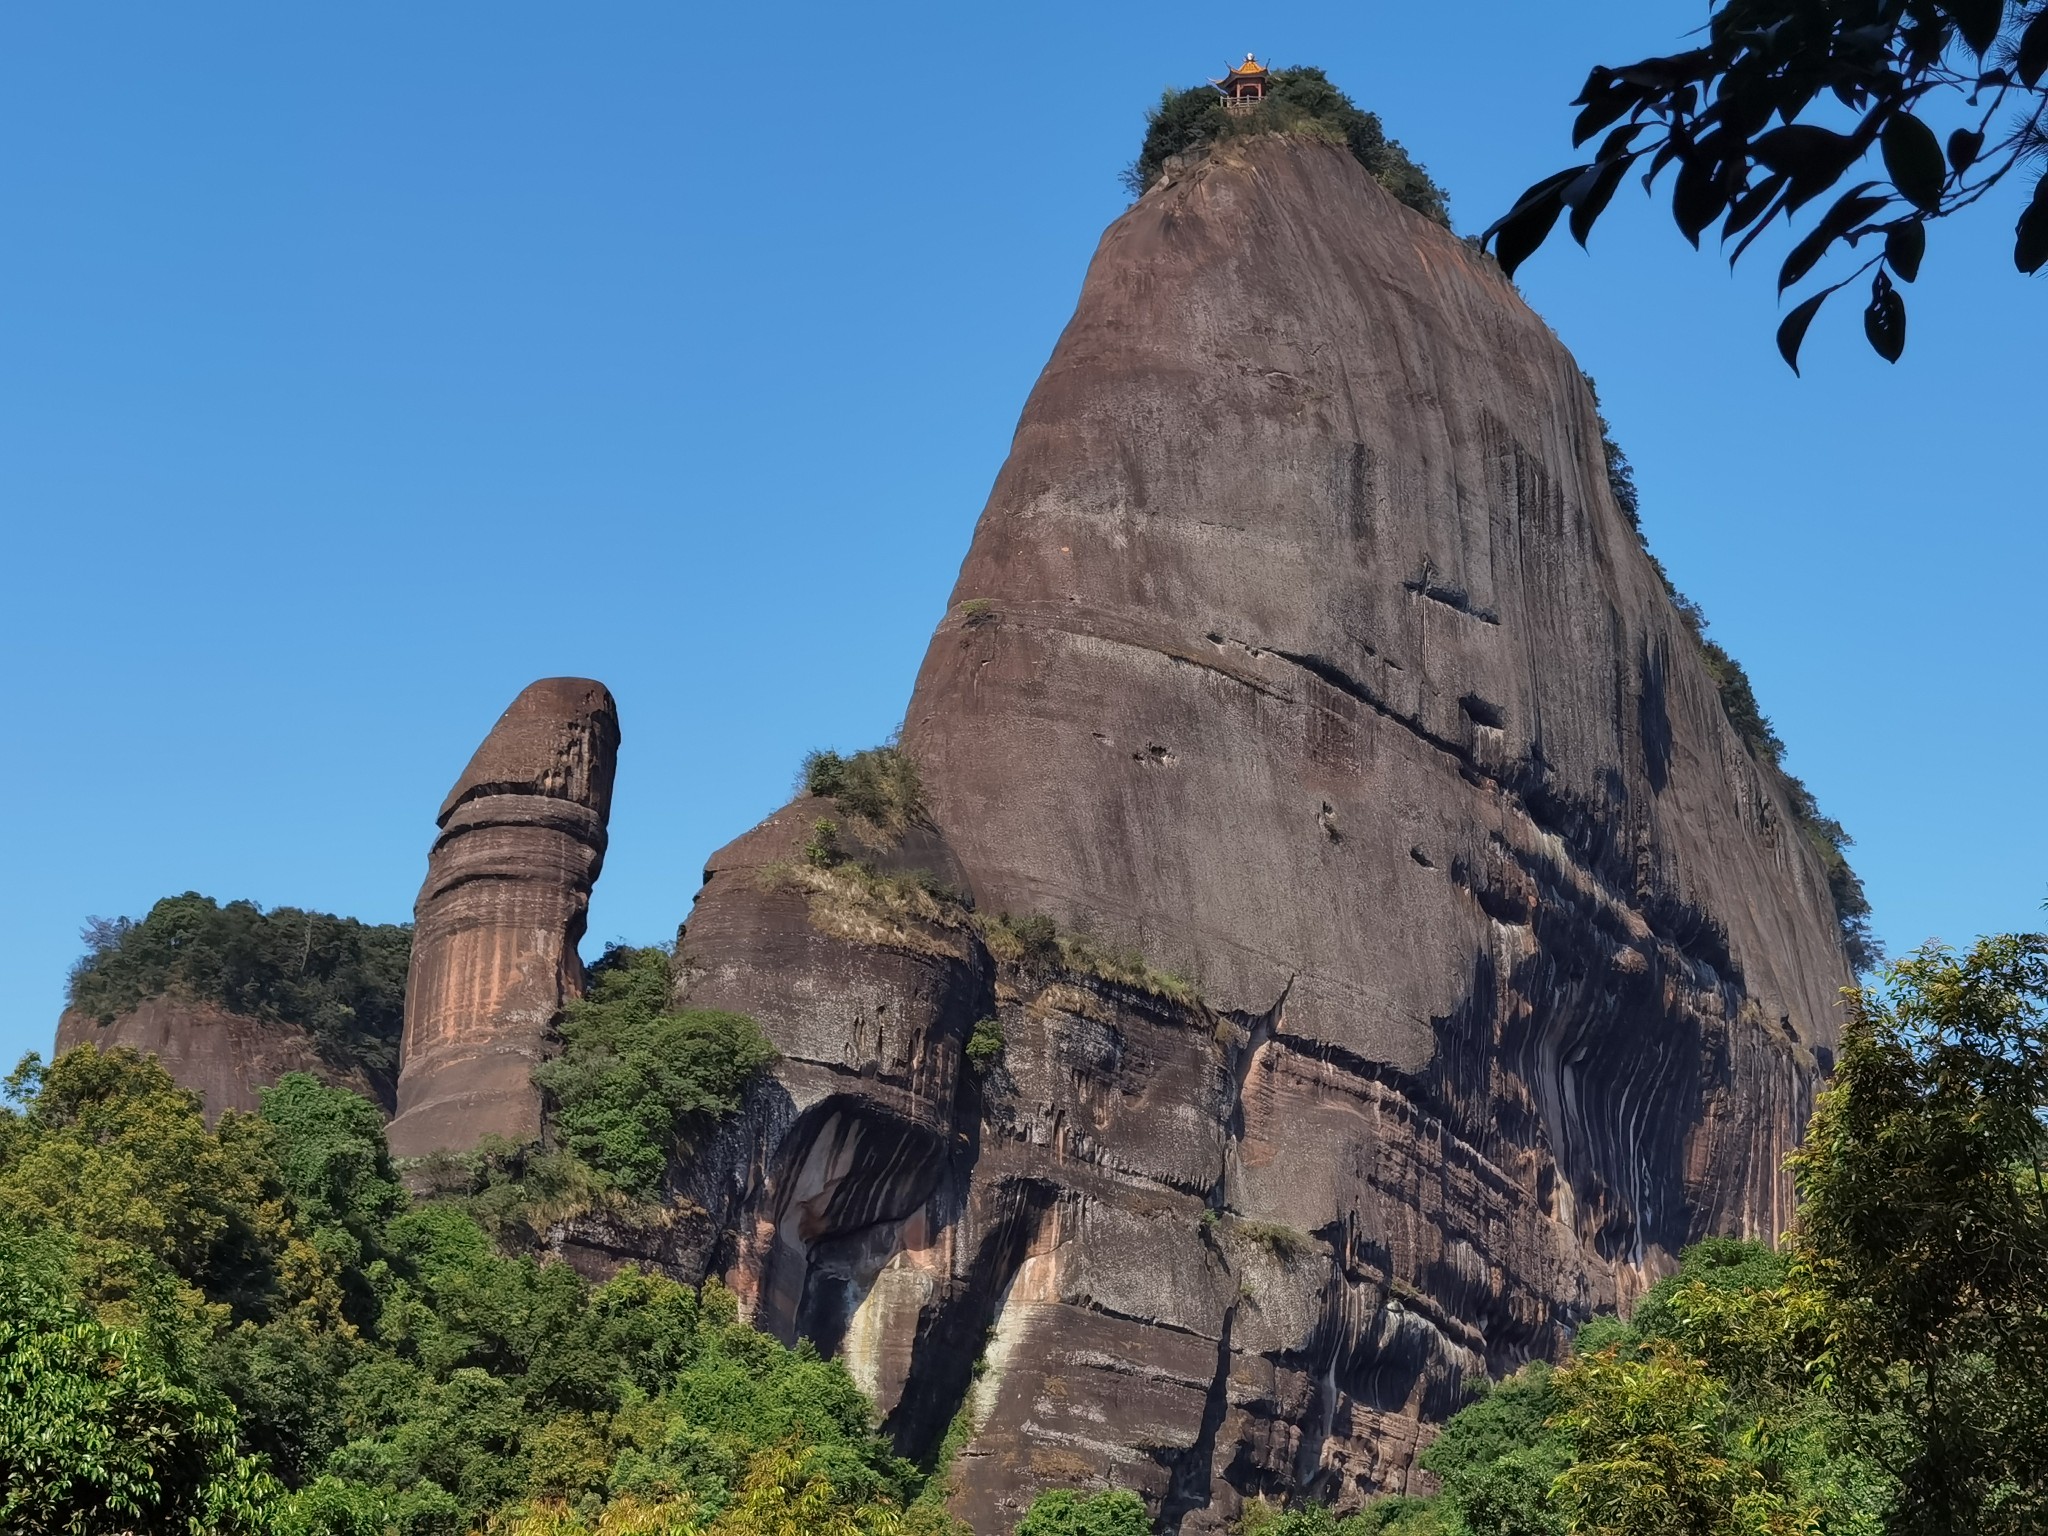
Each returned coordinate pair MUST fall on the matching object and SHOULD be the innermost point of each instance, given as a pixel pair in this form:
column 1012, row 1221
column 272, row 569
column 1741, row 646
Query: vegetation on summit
column 340, row 980
column 1299, row 101
column 1743, row 119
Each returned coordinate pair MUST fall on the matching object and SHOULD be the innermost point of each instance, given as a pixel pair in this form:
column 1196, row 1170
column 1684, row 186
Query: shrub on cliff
column 340, row 980
column 637, row 1084
column 1300, row 101
column 1066, row 1513
column 880, row 783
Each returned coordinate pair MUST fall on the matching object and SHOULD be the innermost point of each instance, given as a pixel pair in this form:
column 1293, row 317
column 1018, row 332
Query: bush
column 823, row 850
column 1066, row 1513
column 1037, row 944
column 985, row 1046
column 1301, row 101
column 340, row 980
column 880, row 784
column 1287, row 1244
column 636, row 1085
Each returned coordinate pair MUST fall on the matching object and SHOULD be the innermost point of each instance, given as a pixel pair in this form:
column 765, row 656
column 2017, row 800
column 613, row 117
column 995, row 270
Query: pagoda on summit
column 1244, row 87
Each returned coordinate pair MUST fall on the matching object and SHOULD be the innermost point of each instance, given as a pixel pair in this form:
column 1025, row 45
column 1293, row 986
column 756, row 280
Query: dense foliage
column 1923, row 1234
column 1741, row 118
column 1063, row 1512
column 341, row 980
column 636, row 1085
column 1300, row 101
column 254, row 1328
column 1828, row 838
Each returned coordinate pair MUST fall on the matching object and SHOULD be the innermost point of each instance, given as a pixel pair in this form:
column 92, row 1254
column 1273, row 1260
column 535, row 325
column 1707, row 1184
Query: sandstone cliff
column 1301, row 649
column 221, row 1055
column 498, row 920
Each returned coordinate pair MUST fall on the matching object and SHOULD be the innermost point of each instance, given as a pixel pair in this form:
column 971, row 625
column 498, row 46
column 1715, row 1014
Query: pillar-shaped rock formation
column 506, row 898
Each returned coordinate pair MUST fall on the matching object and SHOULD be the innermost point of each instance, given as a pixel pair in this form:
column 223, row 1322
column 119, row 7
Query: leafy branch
column 1728, row 119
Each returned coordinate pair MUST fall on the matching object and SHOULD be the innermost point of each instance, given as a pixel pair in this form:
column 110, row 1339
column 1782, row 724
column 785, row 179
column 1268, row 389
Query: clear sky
column 360, row 364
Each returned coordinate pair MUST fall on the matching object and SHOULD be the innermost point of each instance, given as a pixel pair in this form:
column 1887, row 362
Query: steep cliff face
column 221, row 1055
column 498, row 920
column 1301, row 649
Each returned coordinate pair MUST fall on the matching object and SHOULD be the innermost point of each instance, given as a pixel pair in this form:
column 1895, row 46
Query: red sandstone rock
column 1302, row 648
column 498, row 920
column 223, row 1057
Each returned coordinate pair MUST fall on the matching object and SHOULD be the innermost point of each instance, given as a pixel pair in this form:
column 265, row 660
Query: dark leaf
column 1588, row 196
column 1668, row 74
column 1514, row 237
column 1964, row 147
column 1884, row 319
column 1792, row 330
column 1977, row 20
column 1912, row 158
column 2030, row 243
column 1850, row 210
column 1904, row 246
column 1756, row 230
column 1804, row 255
column 1605, row 108
column 1752, row 203
column 2033, row 59
column 1618, row 141
column 1666, row 153
column 1697, row 199
column 1813, row 157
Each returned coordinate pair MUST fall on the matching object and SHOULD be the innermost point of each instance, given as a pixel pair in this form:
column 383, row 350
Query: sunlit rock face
column 1302, row 649
column 227, row 1058
column 497, row 923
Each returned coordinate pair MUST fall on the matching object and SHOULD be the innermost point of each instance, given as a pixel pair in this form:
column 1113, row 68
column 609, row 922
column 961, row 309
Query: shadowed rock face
column 1301, row 648
column 500, row 915
column 222, row 1056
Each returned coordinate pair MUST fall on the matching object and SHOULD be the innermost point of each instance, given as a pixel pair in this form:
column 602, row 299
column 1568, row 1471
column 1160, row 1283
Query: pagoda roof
column 1248, row 69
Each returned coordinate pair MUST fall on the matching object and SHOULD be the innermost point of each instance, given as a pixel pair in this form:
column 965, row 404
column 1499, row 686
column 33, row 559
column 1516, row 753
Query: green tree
column 635, row 1084
column 1651, row 1453
column 1782, row 101
column 99, row 1433
column 1063, row 1512
column 106, row 1148
column 1923, row 1231
column 1498, row 1456
column 265, row 1292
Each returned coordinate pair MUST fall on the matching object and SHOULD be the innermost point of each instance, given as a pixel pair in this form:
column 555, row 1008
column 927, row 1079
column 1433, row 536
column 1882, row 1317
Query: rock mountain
column 1301, row 651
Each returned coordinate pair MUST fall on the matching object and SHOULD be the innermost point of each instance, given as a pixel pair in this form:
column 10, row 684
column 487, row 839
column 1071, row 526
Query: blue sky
column 360, row 364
